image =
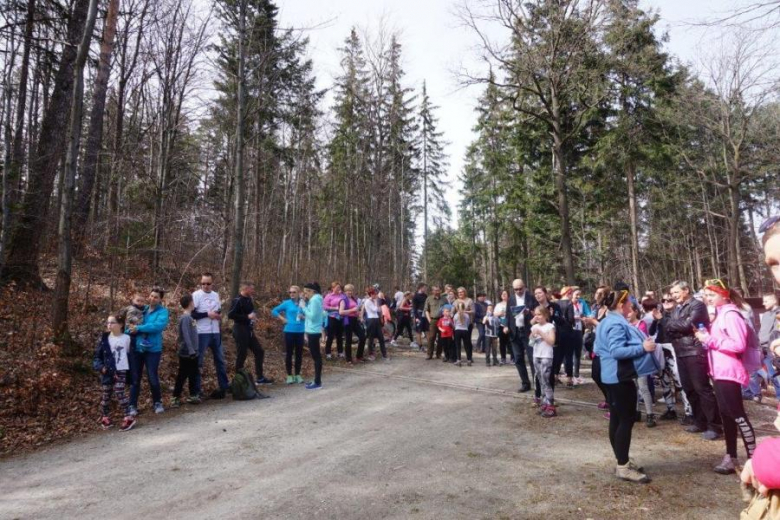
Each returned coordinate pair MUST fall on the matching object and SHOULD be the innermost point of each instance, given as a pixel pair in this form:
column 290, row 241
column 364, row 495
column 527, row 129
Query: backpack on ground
column 243, row 386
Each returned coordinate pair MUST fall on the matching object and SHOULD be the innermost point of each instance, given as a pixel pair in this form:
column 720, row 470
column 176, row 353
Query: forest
column 159, row 138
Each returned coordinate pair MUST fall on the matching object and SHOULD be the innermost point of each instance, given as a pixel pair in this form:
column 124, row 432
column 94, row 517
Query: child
column 491, row 333
column 111, row 361
column 446, row 334
column 188, row 354
column 543, row 336
column 462, row 336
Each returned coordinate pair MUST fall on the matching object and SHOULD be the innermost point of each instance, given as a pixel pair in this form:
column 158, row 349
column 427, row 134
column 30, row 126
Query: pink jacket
column 728, row 339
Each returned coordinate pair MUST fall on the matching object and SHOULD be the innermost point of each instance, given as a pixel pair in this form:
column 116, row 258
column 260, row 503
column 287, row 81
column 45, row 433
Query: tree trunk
column 632, row 217
column 238, row 230
column 559, row 168
column 95, row 133
column 62, row 287
column 24, row 248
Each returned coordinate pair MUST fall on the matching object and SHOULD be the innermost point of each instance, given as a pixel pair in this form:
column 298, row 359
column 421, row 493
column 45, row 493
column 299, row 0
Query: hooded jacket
column 727, row 341
column 314, row 315
column 620, row 350
column 155, row 322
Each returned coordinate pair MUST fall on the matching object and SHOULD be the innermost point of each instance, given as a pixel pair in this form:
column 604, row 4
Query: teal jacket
column 150, row 331
column 290, row 310
column 314, row 315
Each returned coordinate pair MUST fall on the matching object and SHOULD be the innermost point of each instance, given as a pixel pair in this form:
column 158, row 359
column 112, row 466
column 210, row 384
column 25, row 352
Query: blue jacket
column 290, row 310
column 620, row 350
column 585, row 306
column 155, row 322
column 314, row 315
column 103, row 358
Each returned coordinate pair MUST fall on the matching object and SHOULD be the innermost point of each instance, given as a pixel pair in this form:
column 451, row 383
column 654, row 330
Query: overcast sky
column 435, row 46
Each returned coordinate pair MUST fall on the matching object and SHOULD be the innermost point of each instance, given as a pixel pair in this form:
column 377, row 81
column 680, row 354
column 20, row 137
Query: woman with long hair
column 350, row 309
column 624, row 357
column 331, row 304
column 503, row 330
column 727, row 344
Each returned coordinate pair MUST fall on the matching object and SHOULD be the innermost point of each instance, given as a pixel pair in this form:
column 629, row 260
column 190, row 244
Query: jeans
column 519, row 349
column 293, row 341
column 622, row 415
column 768, row 373
column 316, row 355
column 246, row 340
column 696, row 383
column 491, row 347
column 482, row 341
column 152, row 362
column 732, row 411
column 213, row 342
column 188, row 371
column 335, row 330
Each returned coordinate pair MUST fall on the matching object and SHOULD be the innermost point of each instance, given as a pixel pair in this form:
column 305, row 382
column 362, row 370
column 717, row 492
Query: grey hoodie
column 188, row 336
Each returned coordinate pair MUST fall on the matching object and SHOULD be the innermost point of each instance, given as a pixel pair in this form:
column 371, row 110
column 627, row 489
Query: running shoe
column 603, row 405
column 194, row 399
column 158, row 408
column 132, row 411
column 626, row 472
column 371, row 358
column 264, row 381
column 105, row 423
column 127, row 424
column 328, row 356
column 342, row 356
column 710, row 435
column 549, row 411
column 669, row 415
column 298, row 379
column 394, row 343
column 650, row 421
column 468, row 363
column 175, row 402
column 290, row 380
column 457, row 363
column 727, row 466
column 313, row 386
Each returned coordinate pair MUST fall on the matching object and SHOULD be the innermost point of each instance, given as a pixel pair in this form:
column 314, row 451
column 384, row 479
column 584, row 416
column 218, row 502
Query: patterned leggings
column 118, row 389
column 670, row 381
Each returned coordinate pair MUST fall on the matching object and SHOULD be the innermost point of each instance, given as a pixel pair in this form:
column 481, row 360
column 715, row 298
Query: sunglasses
column 206, row 283
column 667, row 300
column 769, row 224
column 716, row 282
column 293, row 292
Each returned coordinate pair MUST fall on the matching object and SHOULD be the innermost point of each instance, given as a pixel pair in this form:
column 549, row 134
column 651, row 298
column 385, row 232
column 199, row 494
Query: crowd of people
column 700, row 346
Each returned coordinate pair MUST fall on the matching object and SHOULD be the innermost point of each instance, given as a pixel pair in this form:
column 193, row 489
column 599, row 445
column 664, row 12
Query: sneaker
column 549, row 411
column 290, row 380
column 626, row 472
column 394, row 343
column 194, row 399
column 650, row 421
column 524, row 388
column 633, row 465
column 342, row 356
column 132, row 411
column 298, row 379
column 105, row 423
column 371, row 358
column 414, row 344
column 385, row 358
column 687, row 420
column 428, row 358
column 502, row 362
column 175, row 402
column 217, row 394
column 603, row 405
column 727, row 466
column 158, row 408
column 468, row 363
column 457, row 363
column 328, row 356
column 444, row 359
column 313, row 386
column 693, row 429
column 264, row 381
column 495, row 363
column 127, row 424
column 669, row 415
column 537, row 402
column 710, row 435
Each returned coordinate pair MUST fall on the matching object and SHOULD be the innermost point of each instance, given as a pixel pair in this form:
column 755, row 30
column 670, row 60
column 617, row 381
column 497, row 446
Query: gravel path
column 404, row 439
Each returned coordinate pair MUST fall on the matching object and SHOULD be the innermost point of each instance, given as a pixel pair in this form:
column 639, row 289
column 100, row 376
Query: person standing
column 433, row 308
column 689, row 314
column 331, row 304
column 480, row 311
column 350, row 310
column 420, row 321
column 242, row 312
column 500, row 312
column 624, row 358
column 288, row 312
column 311, row 309
column 670, row 377
column 569, row 339
column 767, row 371
column 187, row 341
column 518, row 314
column 208, row 316
column 148, row 350
column 404, row 316
column 468, row 305
column 372, row 309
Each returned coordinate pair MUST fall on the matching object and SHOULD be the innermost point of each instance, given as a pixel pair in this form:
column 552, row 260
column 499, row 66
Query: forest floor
column 406, row 438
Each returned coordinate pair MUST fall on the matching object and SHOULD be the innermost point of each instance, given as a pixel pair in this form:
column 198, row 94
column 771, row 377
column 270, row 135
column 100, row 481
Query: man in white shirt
column 208, row 314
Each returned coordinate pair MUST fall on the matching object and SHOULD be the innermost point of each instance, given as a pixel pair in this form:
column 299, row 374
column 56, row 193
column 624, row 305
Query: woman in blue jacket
column 148, row 349
column 314, row 316
column 623, row 357
column 289, row 312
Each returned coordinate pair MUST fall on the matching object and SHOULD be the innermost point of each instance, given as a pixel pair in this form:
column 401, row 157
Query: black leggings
column 335, row 330
column 503, row 342
column 596, row 375
column 732, row 412
column 462, row 337
column 245, row 341
column 404, row 322
column 622, row 415
column 574, row 355
column 354, row 326
column 293, row 341
column 188, row 371
column 374, row 326
column 316, row 355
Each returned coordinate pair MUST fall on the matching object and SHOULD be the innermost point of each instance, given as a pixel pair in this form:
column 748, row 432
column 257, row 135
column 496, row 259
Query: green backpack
column 243, row 386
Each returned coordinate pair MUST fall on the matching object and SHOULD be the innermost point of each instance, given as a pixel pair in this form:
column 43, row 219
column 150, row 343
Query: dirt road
column 404, row 439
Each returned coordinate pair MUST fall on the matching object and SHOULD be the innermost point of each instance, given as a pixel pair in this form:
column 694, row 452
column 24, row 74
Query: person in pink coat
column 725, row 342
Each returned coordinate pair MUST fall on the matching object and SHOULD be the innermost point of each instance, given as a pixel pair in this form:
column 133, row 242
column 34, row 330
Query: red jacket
column 445, row 327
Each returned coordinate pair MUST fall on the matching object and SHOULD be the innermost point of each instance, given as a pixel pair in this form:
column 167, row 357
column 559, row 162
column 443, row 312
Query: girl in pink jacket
column 725, row 342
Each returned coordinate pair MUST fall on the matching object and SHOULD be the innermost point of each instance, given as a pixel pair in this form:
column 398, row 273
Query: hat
column 314, row 286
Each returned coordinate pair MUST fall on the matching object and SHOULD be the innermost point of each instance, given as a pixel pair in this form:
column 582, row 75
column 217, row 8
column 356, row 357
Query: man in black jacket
column 242, row 312
column 692, row 358
column 518, row 314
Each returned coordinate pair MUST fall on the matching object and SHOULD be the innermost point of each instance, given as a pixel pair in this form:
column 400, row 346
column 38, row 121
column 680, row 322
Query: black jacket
column 103, row 358
column 530, row 304
column 681, row 324
column 240, row 310
column 659, row 327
